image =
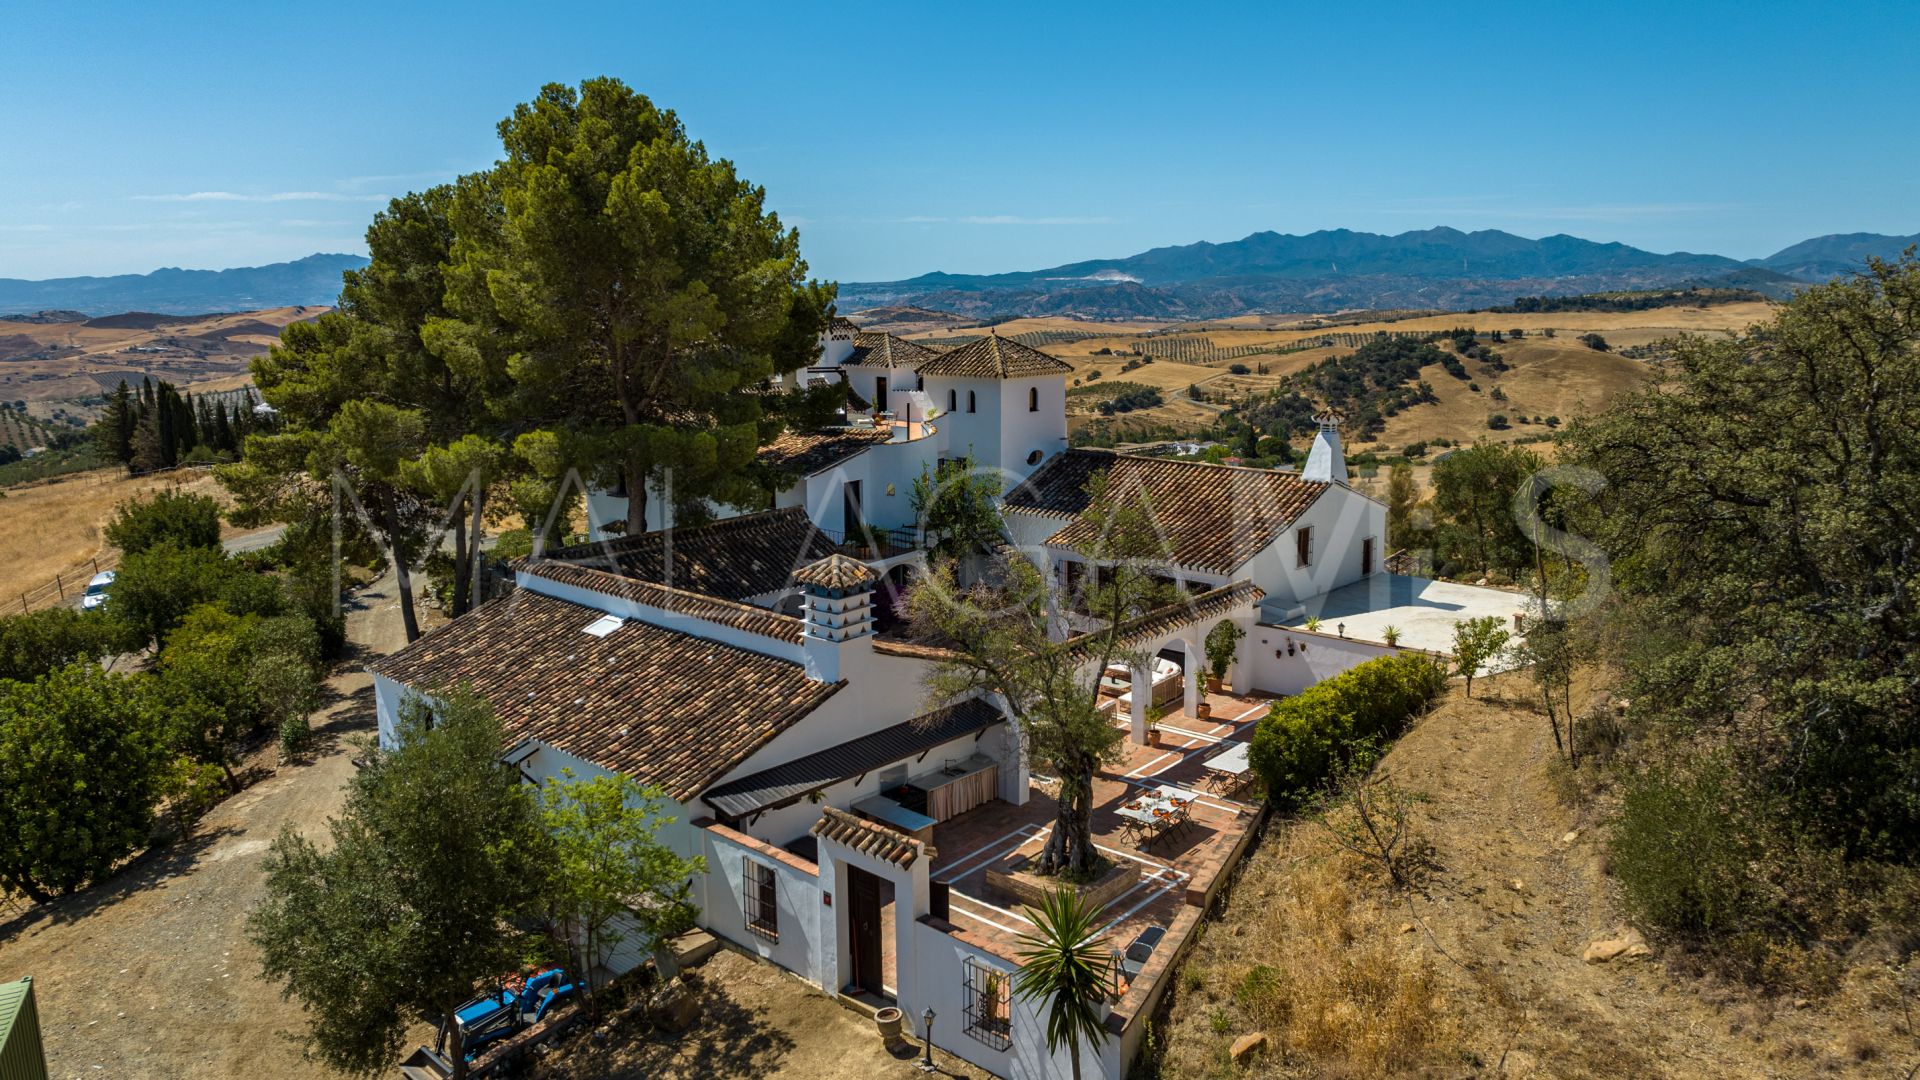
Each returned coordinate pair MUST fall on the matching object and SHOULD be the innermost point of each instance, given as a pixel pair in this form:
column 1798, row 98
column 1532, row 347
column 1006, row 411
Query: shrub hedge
column 1305, row 739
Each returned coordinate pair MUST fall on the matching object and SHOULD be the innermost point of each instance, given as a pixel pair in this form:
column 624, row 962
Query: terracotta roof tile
column 837, row 571
column 808, row 452
column 753, row 620
column 734, row 558
column 1214, row 517
column 661, row 706
column 871, row 348
column 868, row 837
column 995, row 357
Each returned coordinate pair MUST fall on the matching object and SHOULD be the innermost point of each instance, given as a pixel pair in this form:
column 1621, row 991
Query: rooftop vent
column 604, row 625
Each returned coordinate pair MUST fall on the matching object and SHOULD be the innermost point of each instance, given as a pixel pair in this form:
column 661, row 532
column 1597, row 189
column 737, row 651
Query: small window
column 953, row 401
column 1034, row 458
column 989, row 1003
column 1303, row 545
column 757, row 899
column 970, row 401
column 1033, row 399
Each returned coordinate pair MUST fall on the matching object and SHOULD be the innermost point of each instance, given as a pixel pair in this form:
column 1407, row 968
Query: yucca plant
column 1067, row 965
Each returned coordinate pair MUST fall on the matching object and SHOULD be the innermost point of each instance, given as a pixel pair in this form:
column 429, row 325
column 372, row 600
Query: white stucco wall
column 1315, row 656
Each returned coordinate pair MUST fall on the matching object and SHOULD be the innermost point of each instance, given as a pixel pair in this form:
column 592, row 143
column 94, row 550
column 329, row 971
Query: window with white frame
column 989, row 1003
column 758, row 899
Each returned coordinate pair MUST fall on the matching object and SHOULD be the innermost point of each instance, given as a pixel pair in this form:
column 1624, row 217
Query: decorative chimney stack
column 1327, row 462
column 838, row 613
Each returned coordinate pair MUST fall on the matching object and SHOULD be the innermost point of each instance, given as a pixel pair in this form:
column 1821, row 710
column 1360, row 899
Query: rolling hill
column 313, row 282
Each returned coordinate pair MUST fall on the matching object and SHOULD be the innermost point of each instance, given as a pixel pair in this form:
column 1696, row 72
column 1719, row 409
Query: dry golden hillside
column 1548, row 376
column 46, row 362
column 1481, row 969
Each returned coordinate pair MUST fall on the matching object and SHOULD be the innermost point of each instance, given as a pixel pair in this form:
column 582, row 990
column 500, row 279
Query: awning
column 789, row 782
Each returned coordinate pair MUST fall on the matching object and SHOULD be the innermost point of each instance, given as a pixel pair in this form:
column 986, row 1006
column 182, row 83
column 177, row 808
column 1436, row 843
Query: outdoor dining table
column 1229, row 767
column 1153, row 814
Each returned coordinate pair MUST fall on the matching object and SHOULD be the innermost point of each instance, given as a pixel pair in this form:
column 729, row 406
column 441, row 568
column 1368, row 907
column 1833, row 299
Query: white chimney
column 1326, row 462
column 838, row 614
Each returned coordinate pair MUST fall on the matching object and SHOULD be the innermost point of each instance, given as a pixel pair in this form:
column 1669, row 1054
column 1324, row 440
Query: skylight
column 604, row 625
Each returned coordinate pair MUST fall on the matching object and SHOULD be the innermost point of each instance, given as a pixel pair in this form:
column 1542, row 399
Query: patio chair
column 1140, row 951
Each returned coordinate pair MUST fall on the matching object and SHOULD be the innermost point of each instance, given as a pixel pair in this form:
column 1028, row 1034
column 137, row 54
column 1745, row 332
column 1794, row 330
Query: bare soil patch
column 756, row 1021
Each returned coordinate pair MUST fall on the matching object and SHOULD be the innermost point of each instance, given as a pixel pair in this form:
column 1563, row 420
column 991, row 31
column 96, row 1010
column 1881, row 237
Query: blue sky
column 903, row 138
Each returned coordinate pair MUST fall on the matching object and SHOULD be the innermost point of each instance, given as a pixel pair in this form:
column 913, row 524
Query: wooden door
column 1366, row 555
column 863, row 915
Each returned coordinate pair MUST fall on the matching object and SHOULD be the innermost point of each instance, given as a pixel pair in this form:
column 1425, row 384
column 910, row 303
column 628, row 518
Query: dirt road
column 150, row 974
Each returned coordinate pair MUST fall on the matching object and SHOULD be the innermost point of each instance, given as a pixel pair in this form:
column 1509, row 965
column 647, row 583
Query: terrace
column 1178, row 869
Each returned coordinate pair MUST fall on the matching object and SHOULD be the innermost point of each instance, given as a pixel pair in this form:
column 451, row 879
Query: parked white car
column 96, row 594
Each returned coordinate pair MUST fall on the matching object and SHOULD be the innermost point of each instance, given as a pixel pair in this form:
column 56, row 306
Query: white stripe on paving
column 990, row 845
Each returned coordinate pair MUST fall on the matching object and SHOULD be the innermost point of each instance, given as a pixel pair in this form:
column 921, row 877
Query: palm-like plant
column 1066, row 964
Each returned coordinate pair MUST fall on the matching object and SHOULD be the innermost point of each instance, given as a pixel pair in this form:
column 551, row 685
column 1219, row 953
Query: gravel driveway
column 150, row 973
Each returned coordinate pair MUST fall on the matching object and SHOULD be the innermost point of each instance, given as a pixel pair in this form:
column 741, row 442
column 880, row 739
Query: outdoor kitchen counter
column 956, row 789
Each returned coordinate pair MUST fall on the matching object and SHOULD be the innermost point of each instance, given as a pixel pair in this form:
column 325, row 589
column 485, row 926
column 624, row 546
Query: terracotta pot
column 889, row 1020
column 1153, row 736
column 1213, row 685
column 1203, row 710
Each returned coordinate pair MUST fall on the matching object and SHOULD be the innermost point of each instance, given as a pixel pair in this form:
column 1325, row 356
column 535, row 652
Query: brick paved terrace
column 1178, row 870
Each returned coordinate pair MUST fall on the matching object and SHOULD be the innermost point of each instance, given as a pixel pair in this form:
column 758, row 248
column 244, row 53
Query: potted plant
column 1222, row 642
column 1313, row 624
column 1392, row 636
column 1201, row 709
column 1154, row 713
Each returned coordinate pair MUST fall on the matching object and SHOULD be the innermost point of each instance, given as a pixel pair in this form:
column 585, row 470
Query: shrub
column 1305, row 740
column 189, row 521
column 1594, row 341
column 80, row 772
column 1680, row 851
column 32, row 645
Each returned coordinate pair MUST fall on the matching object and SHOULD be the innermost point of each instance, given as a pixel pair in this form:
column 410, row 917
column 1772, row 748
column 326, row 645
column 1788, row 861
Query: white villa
column 854, row 833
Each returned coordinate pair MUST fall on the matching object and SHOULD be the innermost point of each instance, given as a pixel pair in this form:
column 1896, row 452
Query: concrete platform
column 1424, row 610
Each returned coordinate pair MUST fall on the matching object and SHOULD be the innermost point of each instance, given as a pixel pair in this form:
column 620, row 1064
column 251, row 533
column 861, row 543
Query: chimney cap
column 1330, row 417
column 838, row 571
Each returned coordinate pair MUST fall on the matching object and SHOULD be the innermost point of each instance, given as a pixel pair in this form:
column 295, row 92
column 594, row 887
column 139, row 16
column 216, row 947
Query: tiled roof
column 995, row 357
column 1186, row 611
column 808, row 452
column 660, row 706
column 841, row 325
column 837, row 571
column 871, row 348
column 1213, row 517
column 734, row 558
column 873, row 839
column 789, row 781
column 711, row 609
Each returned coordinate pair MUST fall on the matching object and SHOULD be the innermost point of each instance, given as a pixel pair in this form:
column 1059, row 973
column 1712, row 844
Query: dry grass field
column 52, row 527
column 1478, row 969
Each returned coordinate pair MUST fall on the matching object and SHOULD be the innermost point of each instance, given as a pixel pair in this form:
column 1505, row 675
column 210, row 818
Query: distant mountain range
column 1330, row 270
column 1339, row 269
column 312, row 281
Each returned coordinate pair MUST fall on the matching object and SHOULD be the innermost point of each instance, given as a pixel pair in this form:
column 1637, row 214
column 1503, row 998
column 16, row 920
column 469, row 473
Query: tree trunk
column 400, row 570
column 636, row 500
column 1070, row 847
column 476, row 575
column 458, row 1045
column 461, row 566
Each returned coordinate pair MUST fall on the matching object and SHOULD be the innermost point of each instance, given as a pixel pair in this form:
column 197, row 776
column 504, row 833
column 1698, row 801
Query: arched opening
column 970, row 401
column 953, row 401
column 1033, row 399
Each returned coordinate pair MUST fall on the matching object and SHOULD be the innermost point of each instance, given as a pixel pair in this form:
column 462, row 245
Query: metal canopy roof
column 791, row 781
